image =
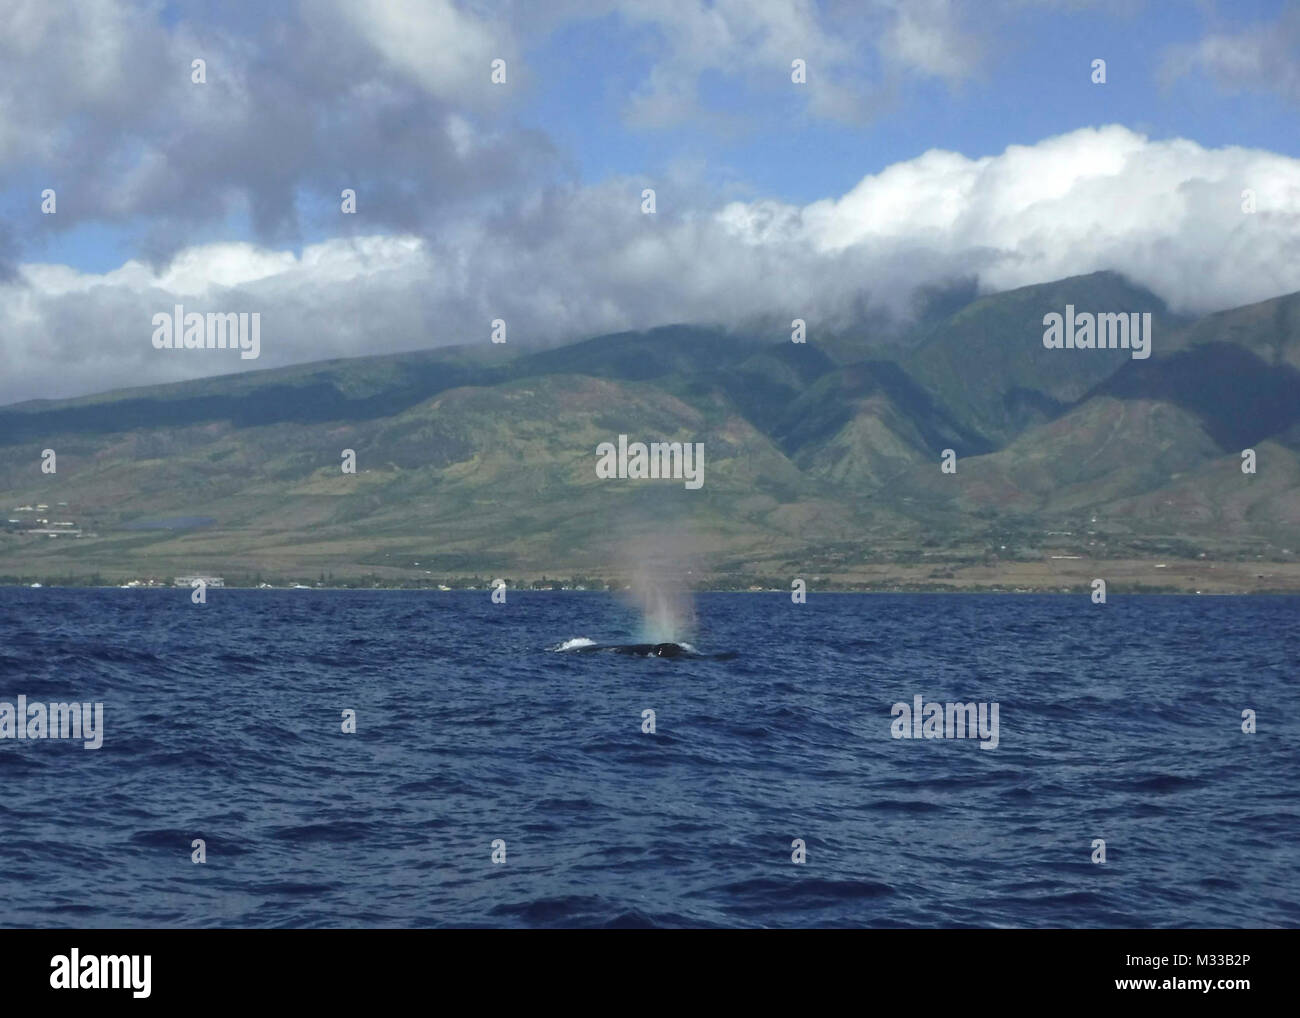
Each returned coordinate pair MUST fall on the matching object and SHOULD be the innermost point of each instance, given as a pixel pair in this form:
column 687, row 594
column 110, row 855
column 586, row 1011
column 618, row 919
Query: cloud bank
column 566, row 263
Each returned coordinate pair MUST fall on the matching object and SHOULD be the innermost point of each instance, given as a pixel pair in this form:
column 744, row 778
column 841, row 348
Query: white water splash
column 575, row 643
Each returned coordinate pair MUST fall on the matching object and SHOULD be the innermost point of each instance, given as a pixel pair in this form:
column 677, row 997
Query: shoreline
column 1168, row 575
column 812, row 591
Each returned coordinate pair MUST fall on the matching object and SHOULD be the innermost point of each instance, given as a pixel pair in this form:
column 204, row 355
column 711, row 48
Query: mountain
column 481, row 461
column 990, row 365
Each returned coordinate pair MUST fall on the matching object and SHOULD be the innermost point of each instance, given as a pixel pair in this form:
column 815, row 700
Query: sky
column 932, row 144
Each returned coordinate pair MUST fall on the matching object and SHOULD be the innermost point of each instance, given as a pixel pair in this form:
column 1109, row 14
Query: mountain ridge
column 481, row 459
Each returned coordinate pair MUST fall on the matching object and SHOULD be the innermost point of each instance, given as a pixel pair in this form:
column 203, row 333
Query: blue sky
column 1036, row 84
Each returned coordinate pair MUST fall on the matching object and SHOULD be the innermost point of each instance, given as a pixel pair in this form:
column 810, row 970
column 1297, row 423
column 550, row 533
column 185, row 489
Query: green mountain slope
column 988, row 366
column 479, row 460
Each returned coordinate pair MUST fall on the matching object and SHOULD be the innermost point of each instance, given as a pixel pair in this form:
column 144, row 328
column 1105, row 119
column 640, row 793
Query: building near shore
column 188, row 581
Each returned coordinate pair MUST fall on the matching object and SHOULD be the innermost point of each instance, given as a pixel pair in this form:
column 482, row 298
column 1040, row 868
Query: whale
column 638, row 649
column 647, row 650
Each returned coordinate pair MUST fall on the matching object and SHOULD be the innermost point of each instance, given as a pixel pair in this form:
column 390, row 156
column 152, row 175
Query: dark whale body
column 648, row 650
column 639, row 649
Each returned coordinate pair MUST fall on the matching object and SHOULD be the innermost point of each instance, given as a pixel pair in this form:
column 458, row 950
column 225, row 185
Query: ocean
column 1119, row 723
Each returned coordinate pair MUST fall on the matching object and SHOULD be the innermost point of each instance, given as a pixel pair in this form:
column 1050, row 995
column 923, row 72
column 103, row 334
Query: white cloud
column 445, row 49
column 66, row 60
column 927, row 36
column 1263, row 57
column 752, row 42
column 857, row 51
column 1165, row 213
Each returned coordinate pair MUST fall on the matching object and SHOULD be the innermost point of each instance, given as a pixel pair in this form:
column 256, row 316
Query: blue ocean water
column 223, row 722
